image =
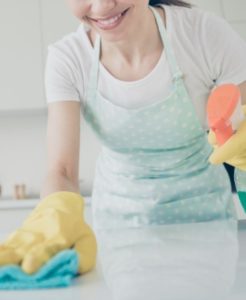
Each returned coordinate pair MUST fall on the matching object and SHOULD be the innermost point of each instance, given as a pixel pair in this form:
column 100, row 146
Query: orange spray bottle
column 224, row 113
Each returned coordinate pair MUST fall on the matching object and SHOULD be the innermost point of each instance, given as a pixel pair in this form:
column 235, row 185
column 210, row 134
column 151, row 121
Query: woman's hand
column 233, row 151
column 54, row 225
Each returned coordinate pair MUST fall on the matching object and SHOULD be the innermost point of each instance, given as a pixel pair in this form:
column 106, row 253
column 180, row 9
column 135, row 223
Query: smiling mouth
column 111, row 22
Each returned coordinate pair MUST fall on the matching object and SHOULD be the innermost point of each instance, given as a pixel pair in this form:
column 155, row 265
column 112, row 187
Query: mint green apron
column 153, row 168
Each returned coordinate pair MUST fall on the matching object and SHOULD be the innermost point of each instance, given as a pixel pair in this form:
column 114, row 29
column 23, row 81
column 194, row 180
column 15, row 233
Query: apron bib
column 153, row 168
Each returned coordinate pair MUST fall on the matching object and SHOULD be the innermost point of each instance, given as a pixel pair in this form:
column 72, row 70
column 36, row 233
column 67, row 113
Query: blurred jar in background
column 20, row 191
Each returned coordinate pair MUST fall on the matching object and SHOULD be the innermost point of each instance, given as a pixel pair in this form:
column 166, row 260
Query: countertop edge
column 28, row 203
column 6, row 204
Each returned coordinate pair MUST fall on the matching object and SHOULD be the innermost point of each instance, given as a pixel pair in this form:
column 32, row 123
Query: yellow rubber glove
column 55, row 224
column 233, row 151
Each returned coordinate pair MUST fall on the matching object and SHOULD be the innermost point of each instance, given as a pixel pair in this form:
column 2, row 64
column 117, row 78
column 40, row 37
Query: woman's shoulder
column 194, row 20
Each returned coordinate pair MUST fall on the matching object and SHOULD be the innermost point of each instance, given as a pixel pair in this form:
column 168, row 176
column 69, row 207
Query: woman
column 141, row 72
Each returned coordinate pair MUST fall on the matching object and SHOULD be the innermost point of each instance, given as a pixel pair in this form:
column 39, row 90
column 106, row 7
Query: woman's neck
column 142, row 41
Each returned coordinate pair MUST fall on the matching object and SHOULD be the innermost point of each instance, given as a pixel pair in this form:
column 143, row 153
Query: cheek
column 80, row 14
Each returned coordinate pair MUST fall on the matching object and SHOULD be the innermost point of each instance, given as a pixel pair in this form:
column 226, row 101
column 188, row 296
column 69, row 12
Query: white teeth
column 109, row 21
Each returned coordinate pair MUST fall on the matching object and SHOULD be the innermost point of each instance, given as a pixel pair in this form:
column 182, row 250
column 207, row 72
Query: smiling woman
column 142, row 75
column 142, row 80
column 141, row 72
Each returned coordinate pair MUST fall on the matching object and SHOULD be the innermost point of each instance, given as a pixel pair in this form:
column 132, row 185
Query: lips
column 110, row 22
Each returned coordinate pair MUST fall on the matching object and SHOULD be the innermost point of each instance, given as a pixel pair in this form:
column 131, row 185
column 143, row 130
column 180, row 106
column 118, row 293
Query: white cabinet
column 21, row 71
column 27, row 27
column 56, row 21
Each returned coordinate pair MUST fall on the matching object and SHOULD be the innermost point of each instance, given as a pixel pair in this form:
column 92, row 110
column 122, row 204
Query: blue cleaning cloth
column 57, row 272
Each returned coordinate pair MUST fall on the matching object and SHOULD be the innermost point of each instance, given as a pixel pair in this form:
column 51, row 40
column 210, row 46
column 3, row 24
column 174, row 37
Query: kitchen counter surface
column 222, row 257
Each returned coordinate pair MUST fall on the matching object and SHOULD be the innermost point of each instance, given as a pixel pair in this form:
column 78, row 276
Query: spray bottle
column 225, row 113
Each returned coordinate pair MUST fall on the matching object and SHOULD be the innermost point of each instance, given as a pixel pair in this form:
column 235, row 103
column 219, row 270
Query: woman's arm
column 63, row 143
column 57, row 223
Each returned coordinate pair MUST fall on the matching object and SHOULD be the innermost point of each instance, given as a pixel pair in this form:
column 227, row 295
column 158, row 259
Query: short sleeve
column 60, row 77
column 224, row 50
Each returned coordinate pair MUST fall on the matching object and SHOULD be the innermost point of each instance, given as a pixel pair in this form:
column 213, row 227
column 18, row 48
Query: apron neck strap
column 176, row 72
column 93, row 81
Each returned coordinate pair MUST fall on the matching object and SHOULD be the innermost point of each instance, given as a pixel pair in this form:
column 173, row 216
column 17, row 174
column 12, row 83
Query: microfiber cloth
column 57, row 272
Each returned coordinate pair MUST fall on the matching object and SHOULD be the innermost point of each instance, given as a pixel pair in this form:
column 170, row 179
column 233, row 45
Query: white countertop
column 92, row 286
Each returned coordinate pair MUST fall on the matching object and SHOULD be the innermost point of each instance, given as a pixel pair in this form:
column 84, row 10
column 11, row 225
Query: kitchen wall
column 23, row 133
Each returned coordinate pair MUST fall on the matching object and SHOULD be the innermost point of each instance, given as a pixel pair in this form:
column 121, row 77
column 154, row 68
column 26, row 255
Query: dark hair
column 170, row 2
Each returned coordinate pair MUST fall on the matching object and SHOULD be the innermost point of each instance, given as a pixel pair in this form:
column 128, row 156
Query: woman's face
column 112, row 19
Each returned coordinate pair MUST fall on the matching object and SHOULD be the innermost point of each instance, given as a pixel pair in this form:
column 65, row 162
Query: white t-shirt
column 208, row 52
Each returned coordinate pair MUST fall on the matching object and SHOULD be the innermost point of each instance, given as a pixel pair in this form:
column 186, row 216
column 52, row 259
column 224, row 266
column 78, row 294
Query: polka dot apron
column 153, row 168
